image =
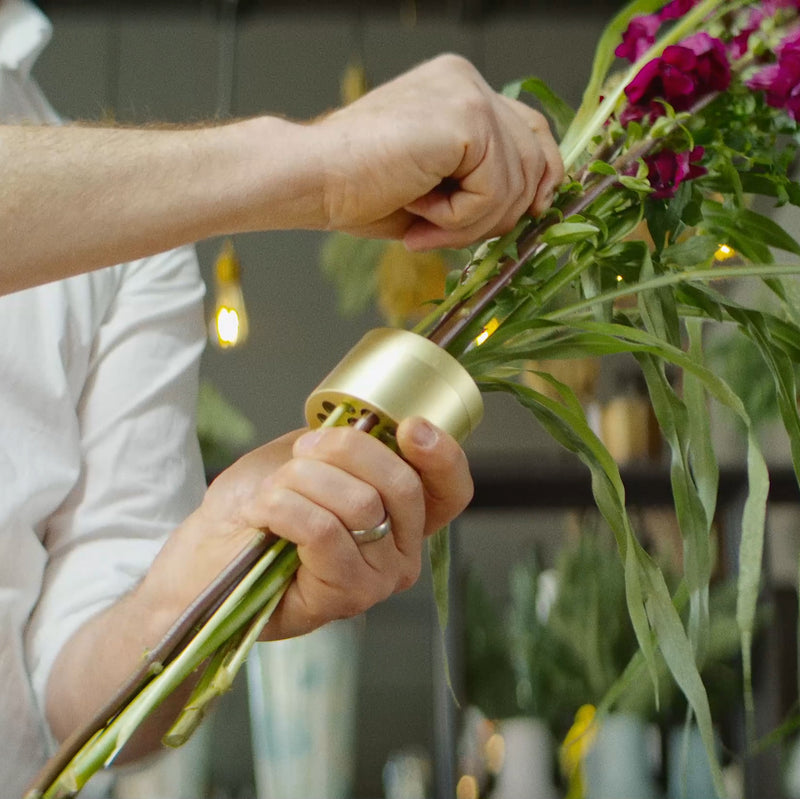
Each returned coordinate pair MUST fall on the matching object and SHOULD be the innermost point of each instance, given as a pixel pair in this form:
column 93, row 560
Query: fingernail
column 424, row 435
column 307, row 442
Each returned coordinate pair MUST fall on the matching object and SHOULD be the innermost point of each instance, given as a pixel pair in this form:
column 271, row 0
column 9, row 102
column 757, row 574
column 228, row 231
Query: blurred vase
column 528, row 760
column 172, row 774
column 619, row 765
column 688, row 769
column 302, row 713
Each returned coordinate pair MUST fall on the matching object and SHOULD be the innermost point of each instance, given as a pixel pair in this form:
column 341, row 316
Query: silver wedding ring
column 374, row 533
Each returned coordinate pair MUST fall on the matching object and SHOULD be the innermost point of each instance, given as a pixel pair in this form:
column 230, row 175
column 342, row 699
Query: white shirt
column 98, row 453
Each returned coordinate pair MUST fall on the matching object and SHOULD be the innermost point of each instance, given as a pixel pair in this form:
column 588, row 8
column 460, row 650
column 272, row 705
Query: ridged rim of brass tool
column 395, row 374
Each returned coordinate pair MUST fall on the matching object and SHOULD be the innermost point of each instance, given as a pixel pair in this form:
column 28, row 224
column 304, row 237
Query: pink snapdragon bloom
column 772, row 6
column 739, row 43
column 638, row 37
column 640, row 34
column 780, row 82
column 685, row 73
column 767, row 9
column 677, row 8
column 668, row 169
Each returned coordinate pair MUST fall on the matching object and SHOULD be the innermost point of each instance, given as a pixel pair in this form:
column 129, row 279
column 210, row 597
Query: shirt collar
column 24, row 33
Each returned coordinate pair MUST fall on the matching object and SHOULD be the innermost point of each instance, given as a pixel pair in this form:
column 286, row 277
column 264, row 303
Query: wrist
column 280, row 182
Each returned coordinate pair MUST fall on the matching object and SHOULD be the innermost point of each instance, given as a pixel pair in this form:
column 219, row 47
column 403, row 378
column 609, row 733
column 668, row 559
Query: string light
column 487, row 331
column 724, row 252
column 229, row 325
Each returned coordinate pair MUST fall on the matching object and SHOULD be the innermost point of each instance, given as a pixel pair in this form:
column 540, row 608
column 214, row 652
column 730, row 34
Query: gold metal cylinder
column 395, row 374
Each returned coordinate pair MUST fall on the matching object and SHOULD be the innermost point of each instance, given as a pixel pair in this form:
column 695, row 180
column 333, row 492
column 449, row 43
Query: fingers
column 435, row 157
column 339, row 480
column 517, row 172
column 443, row 470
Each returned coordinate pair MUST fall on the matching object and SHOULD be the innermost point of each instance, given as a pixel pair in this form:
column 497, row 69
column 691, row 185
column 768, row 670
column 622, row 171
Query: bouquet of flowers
column 663, row 157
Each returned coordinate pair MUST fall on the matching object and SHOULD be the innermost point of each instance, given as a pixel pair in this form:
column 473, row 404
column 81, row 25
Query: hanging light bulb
column 229, row 325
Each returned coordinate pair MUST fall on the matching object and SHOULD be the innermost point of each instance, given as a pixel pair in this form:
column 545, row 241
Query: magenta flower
column 668, row 169
column 639, row 37
column 676, row 9
column 738, row 45
column 641, row 32
column 772, row 6
column 684, row 74
column 780, row 82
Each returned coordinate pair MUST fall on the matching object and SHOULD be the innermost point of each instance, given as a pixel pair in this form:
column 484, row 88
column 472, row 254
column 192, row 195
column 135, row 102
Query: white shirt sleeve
column 141, row 472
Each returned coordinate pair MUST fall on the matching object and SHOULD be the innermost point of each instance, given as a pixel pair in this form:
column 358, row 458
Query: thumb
column 442, row 467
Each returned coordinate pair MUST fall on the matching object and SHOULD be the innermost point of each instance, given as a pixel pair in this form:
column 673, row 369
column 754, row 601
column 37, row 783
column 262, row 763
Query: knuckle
column 538, row 121
column 337, row 441
column 366, row 503
column 454, row 62
column 323, row 526
column 406, row 484
column 272, row 499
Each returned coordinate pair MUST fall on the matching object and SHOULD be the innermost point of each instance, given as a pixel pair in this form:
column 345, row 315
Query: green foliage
column 223, row 431
column 625, row 263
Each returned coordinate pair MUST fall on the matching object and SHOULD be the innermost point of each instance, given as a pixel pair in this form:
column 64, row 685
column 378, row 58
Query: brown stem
column 173, row 641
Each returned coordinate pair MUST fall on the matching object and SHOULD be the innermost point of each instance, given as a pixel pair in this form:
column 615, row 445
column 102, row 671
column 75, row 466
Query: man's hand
column 437, row 158
column 312, row 488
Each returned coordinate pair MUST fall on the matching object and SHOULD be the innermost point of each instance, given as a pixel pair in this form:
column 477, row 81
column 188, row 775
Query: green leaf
column 604, row 55
column 601, row 168
column 649, row 600
column 639, row 185
column 748, row 232
column 695, row 526
column 351, row 263
column 694, row 251
column 559, row 111
column 569, row 232
column 439, row 555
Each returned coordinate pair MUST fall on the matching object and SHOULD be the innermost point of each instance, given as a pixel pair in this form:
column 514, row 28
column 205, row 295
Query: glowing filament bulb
column 229, row 326
column 487, row 331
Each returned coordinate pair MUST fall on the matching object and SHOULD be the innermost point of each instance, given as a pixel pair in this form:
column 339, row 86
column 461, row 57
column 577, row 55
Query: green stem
column 476, row 277
column 673, row 278
column 226, row 637
column 226, row 663
column 102, row 749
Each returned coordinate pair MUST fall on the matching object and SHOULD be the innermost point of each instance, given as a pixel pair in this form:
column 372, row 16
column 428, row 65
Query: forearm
column 100, row 658
column 76, row 198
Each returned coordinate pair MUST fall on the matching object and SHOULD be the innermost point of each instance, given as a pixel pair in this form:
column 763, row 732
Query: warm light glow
column 467, row 788
column 724, row 251
column 227, row 327
column 495, row 753
column 491, row 326
column 620, row 278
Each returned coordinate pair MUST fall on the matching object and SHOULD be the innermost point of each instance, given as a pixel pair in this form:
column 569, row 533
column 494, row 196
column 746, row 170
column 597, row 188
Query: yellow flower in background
column 577, row 743
column 407, row 281
column 353, row 83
